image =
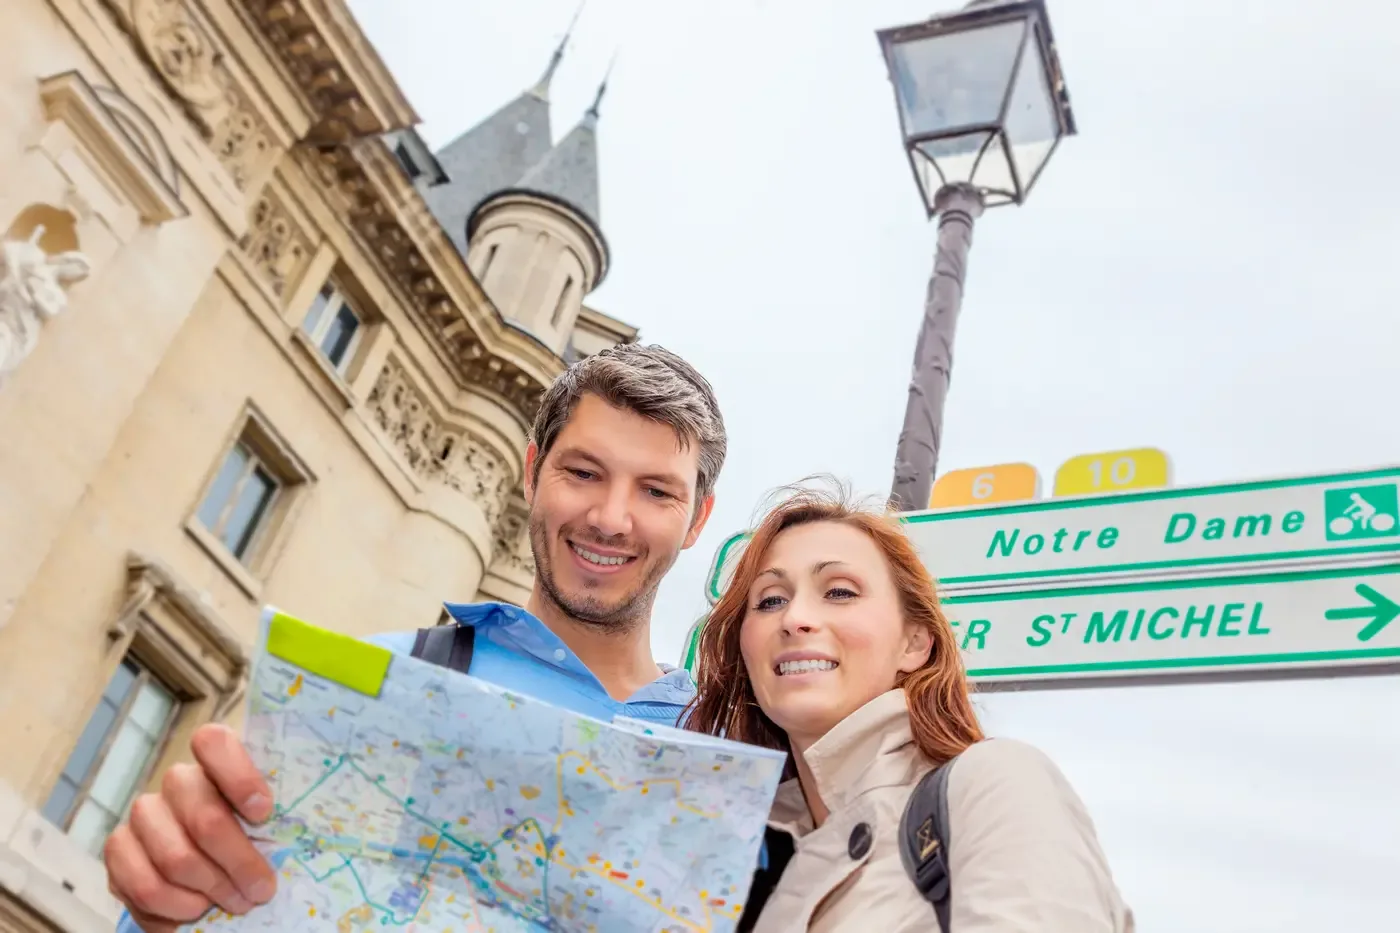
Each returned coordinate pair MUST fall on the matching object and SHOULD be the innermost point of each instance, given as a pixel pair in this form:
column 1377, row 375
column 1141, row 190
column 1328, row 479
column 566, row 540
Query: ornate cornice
column 435, row 448
column 149, row 579
column 392, row 221
column 335, row 68
column 511, row 542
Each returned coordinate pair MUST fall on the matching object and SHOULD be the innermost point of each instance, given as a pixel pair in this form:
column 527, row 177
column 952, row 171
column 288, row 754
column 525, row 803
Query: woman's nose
column 799, row 618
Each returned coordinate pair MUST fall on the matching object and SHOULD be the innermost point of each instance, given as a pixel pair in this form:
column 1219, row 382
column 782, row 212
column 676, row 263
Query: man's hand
column 182, row 850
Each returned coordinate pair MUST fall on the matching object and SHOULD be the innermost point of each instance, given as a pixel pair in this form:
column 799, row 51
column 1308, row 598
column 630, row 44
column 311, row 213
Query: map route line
column 479, row 851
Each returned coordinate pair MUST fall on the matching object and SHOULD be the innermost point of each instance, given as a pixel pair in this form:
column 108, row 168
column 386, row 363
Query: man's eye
column 768, row 602
column 582, row 474
column 657, row 493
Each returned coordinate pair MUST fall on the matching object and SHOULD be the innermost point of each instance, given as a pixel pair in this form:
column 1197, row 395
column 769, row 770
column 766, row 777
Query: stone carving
column 188, row 60
column 435, row 450
column 31, row 292
column 241, row 140
column 275, row 243
column 511, row 542
column 183, row 55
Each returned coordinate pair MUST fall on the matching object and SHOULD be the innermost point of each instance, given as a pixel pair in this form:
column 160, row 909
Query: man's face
column 613, row 506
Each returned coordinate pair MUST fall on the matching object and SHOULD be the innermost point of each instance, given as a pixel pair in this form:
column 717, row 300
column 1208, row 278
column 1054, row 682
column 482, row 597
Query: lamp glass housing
column 977, row 97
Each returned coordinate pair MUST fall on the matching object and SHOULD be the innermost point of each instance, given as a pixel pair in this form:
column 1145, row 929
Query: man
column 619, row 477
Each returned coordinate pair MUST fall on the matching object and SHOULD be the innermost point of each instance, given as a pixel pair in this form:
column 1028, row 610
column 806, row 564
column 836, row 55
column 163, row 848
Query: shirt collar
column 873, row 747
column 519, row 630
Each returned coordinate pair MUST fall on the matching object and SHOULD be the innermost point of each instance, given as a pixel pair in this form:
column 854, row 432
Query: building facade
column 258, row 345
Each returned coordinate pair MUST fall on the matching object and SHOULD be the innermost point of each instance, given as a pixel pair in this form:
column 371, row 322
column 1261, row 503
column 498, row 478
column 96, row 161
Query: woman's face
column 823, row 633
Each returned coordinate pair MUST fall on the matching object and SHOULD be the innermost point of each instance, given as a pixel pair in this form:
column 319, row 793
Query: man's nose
column 611, row 515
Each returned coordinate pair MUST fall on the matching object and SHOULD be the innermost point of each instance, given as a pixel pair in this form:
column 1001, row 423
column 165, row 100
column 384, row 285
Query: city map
column 409, row 797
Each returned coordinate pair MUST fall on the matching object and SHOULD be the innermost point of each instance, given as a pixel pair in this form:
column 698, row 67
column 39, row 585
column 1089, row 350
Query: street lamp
column 982, row 106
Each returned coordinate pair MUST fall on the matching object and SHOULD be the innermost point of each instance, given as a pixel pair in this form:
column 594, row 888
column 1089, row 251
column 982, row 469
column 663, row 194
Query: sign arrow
column 1381, row 612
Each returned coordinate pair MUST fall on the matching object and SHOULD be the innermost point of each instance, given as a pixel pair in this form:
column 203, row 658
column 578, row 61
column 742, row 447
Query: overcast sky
column 1208, row 268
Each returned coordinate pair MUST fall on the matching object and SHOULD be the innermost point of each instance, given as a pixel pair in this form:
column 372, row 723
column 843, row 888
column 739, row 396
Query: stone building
column 258, row 344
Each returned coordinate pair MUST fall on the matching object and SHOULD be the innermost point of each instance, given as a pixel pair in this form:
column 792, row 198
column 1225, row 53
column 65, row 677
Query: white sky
column 1207, row 268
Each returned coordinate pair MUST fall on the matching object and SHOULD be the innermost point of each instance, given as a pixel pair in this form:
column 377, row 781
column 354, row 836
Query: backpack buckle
column 931, row 873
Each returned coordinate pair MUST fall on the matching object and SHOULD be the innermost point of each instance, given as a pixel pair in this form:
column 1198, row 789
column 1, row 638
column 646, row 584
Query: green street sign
column 722, row 567
column 690, row 653
column 1307, row 622
column 1326, row 517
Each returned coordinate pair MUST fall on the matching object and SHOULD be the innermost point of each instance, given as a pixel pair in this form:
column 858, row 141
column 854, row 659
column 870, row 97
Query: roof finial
column 592, row 112
column 541, row 88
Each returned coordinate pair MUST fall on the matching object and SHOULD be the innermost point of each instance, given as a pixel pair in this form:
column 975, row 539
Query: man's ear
column 532, row 453
column 697, row 524
column 916, row 649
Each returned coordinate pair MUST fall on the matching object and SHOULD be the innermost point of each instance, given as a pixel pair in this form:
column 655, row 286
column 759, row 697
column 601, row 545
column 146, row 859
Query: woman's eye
column 768, row 602
column 840, row 592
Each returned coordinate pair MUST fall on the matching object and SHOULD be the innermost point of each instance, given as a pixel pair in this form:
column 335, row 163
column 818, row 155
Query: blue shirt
column 515, row 650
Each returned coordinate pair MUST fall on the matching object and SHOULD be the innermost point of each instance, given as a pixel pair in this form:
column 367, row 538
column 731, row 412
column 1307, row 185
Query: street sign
column 691, row 650
column 722, row 567
column 1116, row 471
column 1237, row 524
column 1009, row 482
column 1333, row 618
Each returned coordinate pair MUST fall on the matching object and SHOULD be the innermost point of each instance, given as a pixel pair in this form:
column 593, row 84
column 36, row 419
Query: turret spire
column 592, row 112
column 541, row 88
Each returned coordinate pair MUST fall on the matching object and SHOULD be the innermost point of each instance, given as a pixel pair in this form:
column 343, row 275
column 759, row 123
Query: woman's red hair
column 940, row 705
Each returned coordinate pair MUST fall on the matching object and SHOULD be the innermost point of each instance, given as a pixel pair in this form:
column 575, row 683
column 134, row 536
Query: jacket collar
column 871, row 748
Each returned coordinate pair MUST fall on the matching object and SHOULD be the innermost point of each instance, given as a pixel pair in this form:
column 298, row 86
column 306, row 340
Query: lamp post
column 982, row 106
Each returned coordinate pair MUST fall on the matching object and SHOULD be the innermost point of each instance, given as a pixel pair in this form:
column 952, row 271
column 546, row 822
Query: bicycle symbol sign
column 1357, row 512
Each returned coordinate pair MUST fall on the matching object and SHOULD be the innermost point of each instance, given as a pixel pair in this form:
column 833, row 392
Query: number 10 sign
column 1116, row 471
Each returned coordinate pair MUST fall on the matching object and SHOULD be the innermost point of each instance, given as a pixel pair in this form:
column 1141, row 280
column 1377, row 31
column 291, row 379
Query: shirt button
column 560, row 654
column 860, row 840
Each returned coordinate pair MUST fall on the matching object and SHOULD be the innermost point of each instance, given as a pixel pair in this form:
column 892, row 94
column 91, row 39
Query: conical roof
column 511, row 152
column 569, row 171
column 489, row 157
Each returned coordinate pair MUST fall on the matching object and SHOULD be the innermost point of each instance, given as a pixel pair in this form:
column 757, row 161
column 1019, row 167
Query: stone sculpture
column 31, row 292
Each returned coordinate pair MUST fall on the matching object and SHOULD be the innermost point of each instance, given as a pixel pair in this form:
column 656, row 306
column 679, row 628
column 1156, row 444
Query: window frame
column 294, row 479
column 327, row 305
column 248, row 541
column 145, row 674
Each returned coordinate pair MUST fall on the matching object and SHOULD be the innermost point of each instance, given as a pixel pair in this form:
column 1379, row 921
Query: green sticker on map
column 345, row 660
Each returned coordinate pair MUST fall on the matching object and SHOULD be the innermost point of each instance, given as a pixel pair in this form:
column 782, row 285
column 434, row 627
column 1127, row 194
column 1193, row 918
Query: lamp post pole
column 982, row 106
column 916, row 458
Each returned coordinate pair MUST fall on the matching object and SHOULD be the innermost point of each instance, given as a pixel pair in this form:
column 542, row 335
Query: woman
column 830, row 643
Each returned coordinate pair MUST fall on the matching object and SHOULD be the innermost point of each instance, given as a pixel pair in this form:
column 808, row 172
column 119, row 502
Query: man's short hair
column 650, row 381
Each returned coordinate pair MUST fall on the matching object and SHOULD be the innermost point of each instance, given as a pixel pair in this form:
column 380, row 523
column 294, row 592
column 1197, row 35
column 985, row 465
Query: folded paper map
column 410, row 797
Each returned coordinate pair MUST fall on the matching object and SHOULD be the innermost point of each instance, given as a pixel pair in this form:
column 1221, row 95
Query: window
column 240, row 500
column 113, row 757
column 490, row 258
column 249, row 502
column 333, row 326
column 401, row 153
column 562, row 303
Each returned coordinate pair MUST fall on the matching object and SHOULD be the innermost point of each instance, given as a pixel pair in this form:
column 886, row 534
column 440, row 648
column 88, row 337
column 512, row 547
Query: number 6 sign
column 1008, row 482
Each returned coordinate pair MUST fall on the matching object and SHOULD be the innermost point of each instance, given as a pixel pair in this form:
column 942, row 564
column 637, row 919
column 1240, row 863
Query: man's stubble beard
column 631, row 612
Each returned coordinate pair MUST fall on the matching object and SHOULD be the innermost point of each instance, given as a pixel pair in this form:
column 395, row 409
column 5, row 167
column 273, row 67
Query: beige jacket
column 1023, row 854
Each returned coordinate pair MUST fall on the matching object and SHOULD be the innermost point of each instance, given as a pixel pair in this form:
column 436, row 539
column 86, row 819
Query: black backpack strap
column 776, row 853
column 448, row 646
column 923, row 841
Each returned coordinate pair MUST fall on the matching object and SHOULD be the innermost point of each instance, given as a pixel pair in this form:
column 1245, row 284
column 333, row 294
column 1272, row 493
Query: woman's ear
column 917, row 647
